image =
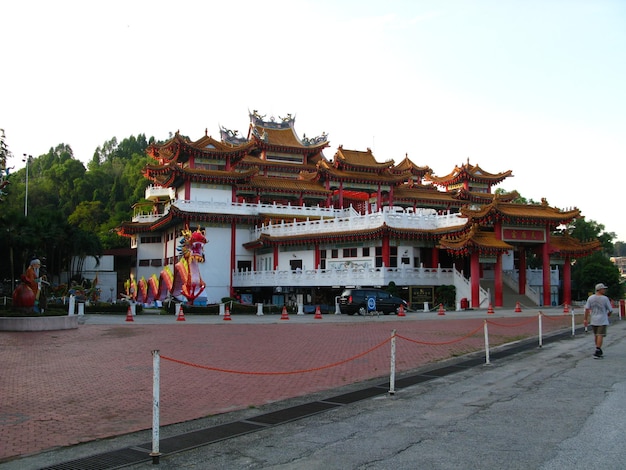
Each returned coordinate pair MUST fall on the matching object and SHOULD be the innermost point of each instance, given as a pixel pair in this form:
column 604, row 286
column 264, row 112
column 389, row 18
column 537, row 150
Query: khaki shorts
column 599, row 330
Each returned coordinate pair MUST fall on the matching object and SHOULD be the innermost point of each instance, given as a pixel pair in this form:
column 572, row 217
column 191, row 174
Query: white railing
column 155, row 191
column 464, row 290
column 345, row 277
column 404, row 220
column 245, row 208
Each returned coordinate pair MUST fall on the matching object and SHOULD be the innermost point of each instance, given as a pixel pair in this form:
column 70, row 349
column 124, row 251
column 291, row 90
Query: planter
column 66, row 322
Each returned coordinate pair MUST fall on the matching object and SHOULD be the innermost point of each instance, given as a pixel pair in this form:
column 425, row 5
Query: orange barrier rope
column 557, row 317
column 444, row 342
column 491, row 322
column 301, row 371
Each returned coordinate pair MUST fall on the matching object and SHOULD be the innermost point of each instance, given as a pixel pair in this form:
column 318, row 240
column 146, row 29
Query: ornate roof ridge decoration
column 407, row 165
column 232, row 137
column 281, row 134
column 309, row 175
column 358, row 160
column 564, row 244
column 474, row 240
column 468, row 172
column 520, row 214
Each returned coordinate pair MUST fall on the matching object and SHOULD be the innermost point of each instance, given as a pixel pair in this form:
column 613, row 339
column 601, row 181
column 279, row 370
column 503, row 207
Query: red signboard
column 517, row 234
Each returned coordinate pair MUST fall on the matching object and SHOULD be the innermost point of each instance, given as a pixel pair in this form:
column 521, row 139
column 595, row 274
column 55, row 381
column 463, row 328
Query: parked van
column 362, row 301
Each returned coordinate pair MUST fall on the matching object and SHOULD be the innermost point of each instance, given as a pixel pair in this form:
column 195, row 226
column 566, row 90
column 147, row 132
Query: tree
column 588, row 271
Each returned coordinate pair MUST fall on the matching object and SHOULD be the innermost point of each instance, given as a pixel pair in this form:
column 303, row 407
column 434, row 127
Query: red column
column 233, row 241
column 546, row 269
column 498, row 297
column 567, row 281
column 318, row 259
column 475, row 279
column 522, row 271
column 275, row 257
column 435, row 257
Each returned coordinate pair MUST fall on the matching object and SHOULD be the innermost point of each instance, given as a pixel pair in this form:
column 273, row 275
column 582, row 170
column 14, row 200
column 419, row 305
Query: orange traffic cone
column 401, row 311
column 441, row 310
column 181, row 314
column 227, row 314
column 566, row 309
column 129, row 315
column 518, row 308
column 284, row 315
column 318, row 313
column 490, row 310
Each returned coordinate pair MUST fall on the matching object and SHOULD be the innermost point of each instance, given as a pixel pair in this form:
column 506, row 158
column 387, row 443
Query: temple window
column 349, row 252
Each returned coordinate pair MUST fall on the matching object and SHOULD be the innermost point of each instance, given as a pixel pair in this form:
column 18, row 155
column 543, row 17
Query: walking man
column 599, row 308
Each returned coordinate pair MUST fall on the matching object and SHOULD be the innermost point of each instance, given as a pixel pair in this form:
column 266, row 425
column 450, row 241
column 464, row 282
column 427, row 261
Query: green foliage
column 587, row 272
column 445, row 295
column 71, row 210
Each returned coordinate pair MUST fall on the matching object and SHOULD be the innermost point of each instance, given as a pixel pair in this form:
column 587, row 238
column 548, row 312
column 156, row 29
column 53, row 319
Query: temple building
column 284, row 224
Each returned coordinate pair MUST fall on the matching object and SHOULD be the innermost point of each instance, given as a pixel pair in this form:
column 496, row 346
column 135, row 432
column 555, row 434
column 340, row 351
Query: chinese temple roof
column 407, row 165
column 281, row 134
column 566, row 245
column 425, row 194
column 475, row 240
column 353, row 176
column 180, row 148
column 173, row 175
column 359, row 161
column 484, row 198
column 468, row 172
column 520, row 214
column 270, row 184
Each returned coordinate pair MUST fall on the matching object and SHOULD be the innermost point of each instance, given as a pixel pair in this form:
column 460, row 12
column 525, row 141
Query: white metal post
column 486, row 328
column 573, row 324
column 392, row 369
column 156, row 371
column 540, row 330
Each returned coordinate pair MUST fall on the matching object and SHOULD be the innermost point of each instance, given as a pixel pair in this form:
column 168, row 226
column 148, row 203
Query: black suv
column 362, row 301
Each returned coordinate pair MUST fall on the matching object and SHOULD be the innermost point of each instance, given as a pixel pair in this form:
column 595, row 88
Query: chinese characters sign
column 517, row 234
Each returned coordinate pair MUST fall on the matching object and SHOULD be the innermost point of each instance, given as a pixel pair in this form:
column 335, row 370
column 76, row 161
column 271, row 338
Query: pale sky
column 533, row 86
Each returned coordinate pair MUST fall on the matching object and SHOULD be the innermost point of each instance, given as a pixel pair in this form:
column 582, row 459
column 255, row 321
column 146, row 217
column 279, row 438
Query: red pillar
column 498, row 297
column 522, row 271
column 475, row 279
column 546, row 269
column 318, row 259
column 275, row 257
column 567, row 281
column 435, row 257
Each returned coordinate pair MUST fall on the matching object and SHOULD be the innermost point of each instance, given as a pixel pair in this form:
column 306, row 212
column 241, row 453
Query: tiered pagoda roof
column 179, row 149
column 474, row 240
column 172, row 175
column 468, row 173
column 519, row 214
column 566, row 245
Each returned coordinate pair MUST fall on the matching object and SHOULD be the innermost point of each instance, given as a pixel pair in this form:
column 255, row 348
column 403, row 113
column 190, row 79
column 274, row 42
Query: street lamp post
column 27, row 159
